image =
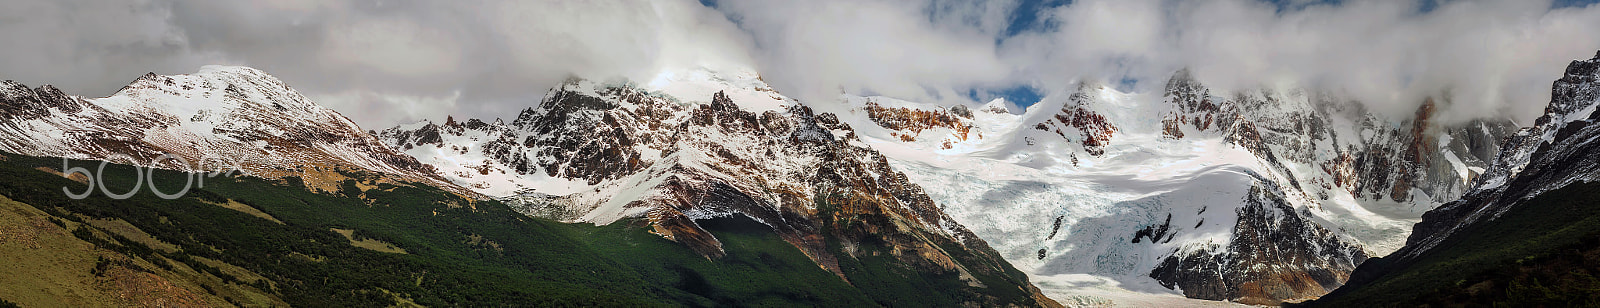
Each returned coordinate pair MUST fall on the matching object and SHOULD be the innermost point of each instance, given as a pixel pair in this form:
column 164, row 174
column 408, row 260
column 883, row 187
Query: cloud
column 388, row 62
column 81, row 44
column 484, row 58
column 379, row 62
column 1489, row 58
column 1482, row 58
column 929, row 51
column 399, row 106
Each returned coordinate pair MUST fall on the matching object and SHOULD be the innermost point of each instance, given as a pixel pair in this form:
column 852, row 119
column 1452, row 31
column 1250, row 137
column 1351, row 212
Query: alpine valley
column 704, row 186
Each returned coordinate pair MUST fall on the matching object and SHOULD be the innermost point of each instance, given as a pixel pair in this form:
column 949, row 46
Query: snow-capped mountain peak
column 219, row 118
column 1000, row 105
column 620, row 152
column 740, row 84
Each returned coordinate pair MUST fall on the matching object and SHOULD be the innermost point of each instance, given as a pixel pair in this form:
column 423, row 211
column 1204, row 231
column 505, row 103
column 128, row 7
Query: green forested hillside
column 255, row 242
column 1544, row 252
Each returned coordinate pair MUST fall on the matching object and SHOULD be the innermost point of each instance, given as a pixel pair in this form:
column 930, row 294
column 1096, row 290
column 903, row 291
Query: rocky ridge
column 1346, row 148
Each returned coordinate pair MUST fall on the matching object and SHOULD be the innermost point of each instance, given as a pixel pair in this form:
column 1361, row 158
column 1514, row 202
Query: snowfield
column 1071, row 225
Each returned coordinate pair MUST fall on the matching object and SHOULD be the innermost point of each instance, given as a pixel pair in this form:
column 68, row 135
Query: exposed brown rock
column 1090, row 128
column 914, row 121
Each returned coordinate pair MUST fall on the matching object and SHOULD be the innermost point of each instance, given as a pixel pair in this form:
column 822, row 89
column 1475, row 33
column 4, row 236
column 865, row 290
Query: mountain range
column 1260, row 196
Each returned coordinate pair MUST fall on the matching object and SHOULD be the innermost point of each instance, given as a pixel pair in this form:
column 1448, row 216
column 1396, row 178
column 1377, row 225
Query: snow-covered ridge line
column 662, row 156
column 218, row 118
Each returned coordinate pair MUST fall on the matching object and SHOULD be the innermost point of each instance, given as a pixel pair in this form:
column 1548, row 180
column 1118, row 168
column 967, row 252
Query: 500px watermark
column 96, row 177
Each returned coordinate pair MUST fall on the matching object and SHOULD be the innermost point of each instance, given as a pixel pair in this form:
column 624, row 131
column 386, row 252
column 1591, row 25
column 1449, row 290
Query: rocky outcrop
column 1078, row 121
column 908, row 123
column 1276, row 255
column 21, row 103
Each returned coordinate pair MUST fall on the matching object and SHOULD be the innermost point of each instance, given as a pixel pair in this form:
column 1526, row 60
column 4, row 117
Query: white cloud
column 1493, row 58
column 367, row 106
column 370, row 60
column 394, row 46
column 816, row 49
column 488, row 58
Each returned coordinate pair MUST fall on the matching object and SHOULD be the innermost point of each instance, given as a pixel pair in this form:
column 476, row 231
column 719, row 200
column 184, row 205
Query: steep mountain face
column 646, row 156
column 1327, row 149
column 1530, row 218
column 1557, row 151
column 222, row 118
column 1276, row 254
column 1258, row 196
column 1412, row 160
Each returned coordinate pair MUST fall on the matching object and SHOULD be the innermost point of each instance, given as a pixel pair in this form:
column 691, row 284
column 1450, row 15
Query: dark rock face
column 597, row 153
column 17, row 102
column 1559, row 149
column 1276, row 255
column 1156, row 233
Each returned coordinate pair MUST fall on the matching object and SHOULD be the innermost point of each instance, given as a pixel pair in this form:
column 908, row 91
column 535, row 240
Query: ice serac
column 217, row 119
column 1559, row 149
column 620, row 152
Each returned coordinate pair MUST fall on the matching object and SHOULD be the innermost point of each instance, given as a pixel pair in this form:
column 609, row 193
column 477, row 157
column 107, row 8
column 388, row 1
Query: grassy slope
column 458, row 252
column 47, row 265
column 1544, row 252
